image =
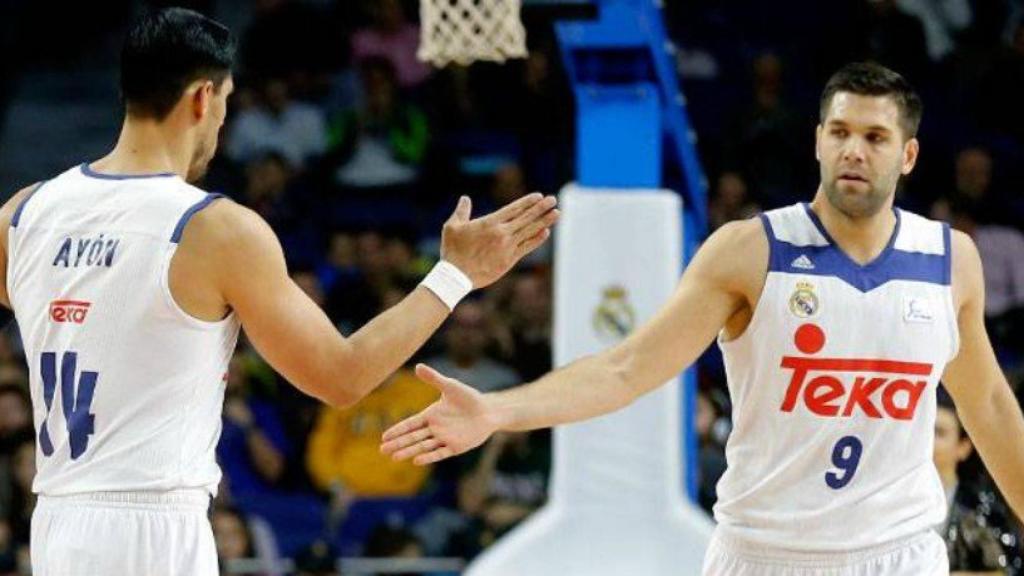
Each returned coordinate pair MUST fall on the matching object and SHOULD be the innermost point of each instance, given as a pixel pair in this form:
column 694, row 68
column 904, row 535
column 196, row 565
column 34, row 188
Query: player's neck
column 862, row 239
column 147, row 147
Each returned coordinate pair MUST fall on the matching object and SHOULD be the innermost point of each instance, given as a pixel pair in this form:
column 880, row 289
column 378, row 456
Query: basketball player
column 837, row 319
column 130, row 285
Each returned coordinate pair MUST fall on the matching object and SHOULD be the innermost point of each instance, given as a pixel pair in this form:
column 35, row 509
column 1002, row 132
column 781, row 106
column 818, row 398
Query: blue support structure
column 633, row 128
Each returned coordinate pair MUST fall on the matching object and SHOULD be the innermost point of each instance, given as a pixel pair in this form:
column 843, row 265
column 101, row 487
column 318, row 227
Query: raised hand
column 459, row 421
column 486, row 248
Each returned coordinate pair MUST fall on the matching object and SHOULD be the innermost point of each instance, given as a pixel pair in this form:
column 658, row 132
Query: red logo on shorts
column 69, row 311
column 880, row 388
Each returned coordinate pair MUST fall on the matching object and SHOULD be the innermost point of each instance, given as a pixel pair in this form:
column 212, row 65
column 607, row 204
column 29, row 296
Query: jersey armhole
column 947, row 265
column 165, row 269
column 16, row 218
column 771, row 240
column 179, row 229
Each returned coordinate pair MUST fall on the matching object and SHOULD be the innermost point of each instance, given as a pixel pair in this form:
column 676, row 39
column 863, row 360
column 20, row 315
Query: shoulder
column 741, row 233
column 224, row 222
column 10, row 207
column 225, row 239
column 736, row 255
column 966, row 275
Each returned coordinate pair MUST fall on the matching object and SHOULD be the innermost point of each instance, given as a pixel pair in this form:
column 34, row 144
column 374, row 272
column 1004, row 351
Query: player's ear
column 817, row 142
column 911, row 148
column 200, row 94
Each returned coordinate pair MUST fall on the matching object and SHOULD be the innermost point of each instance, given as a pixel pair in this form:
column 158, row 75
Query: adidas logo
column 803, row 262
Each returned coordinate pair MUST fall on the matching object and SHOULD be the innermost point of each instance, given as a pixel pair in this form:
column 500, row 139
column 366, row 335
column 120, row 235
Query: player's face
column 209, row 129
column 862, row 152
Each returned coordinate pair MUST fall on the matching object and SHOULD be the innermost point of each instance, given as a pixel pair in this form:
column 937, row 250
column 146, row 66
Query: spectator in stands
column 508, row 184
column 318, row 559
column 278, row 123
column 234, row 541
column 711, row 440
column 309, row 282
column 22, row 499
column 253, row 447
column 381, row 144
column 1001, row 248
column 896, row 39
column 468, row 336
column 973, row 190
column 362, row 270
column 501, row 486
column 972, row 538
column 292, row 38
column 8, row 551
column 393, row 37
column 524, row 332
column 1000, row 89
column 344, row 455
column 15, row 416
column 730, row 200
column 768, row 139
column 393, row 542
column 942, row 22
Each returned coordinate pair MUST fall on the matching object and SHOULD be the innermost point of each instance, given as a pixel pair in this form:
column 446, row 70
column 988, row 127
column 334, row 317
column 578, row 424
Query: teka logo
column 69, row 311
column 877, row 386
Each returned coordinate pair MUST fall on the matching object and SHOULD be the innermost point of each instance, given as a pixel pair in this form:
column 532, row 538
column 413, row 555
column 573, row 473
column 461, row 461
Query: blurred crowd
column 354, row 152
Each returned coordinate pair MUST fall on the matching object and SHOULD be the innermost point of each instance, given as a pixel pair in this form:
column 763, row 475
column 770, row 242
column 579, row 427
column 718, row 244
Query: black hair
column 870, row 79
column 164, row 52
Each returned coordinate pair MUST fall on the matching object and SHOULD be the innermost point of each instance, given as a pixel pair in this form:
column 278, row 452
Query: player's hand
column 486, row 248
column 457, row 422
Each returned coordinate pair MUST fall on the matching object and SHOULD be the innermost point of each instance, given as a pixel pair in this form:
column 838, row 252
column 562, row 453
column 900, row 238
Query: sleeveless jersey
column 127, row 388
column 833, row 389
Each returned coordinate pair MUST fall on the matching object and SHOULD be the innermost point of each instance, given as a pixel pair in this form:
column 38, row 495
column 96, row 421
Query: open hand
column 459, row 421
column 486, row 248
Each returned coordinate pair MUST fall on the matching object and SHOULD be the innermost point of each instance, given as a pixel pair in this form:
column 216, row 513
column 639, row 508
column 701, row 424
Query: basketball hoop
column 464, row 31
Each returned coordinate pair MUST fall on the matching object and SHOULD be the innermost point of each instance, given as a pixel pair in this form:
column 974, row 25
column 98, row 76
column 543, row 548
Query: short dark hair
column 870, row 79
column 165, row 51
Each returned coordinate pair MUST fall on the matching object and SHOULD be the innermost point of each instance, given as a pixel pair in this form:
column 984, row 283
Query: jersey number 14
column 75, row 401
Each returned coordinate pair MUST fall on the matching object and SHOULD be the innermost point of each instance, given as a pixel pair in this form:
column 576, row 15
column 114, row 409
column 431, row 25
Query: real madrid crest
column 614, row 317
column 804, row 302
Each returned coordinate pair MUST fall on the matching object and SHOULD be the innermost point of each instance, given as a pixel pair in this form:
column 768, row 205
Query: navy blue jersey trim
column 830, row 260
column 21, row 205
column 771, row 239
column 947, row 243
column 86, row 170
column 180, row 228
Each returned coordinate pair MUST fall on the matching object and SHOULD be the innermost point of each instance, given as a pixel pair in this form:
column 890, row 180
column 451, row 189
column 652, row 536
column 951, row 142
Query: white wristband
column 448, row 283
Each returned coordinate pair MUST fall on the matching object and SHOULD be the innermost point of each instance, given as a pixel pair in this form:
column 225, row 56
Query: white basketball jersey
column 127, row 388
column 833, row 389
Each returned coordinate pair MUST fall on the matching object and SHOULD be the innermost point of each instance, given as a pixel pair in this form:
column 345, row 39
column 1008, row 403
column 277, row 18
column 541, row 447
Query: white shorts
column 919, row 555
column 136, row 533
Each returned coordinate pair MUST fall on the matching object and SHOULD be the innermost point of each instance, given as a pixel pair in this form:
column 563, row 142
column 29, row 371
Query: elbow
column 340, row 398
column 343, row 382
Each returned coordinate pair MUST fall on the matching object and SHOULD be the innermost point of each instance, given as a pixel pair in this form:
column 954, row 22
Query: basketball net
column 464, row 31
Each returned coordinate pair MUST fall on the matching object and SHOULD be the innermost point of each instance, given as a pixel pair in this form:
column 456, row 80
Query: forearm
column 589, row 387
column 996, row 426
column 385, row 343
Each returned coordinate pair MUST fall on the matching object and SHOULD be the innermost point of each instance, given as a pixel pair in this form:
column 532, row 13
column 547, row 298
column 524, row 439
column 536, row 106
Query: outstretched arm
column 245, row 260
column 983, row 398
column 718, row 285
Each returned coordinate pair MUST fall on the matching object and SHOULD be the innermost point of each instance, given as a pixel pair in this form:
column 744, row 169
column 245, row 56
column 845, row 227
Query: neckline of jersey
column 88, row 171
column 878, row 260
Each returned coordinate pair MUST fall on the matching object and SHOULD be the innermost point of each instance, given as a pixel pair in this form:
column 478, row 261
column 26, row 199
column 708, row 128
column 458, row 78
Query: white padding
column 616, row 504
